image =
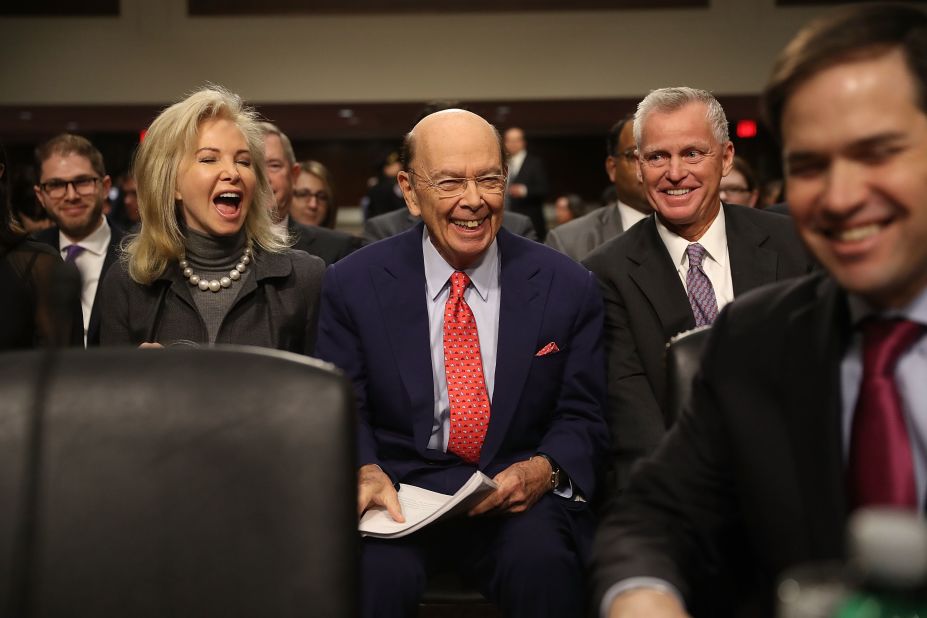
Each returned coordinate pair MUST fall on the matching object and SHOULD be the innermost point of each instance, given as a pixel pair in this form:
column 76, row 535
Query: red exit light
column 141, row 135
column 746, row 129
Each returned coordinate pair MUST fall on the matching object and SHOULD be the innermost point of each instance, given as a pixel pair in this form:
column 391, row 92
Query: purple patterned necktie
column 881, row 464
column 72, row 252
column 701, row 294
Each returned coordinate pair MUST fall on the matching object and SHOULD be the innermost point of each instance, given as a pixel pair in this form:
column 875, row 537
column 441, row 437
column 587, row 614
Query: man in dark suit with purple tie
column 390, row 314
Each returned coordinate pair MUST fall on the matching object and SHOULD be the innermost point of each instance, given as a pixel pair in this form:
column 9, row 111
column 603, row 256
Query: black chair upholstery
column 683, row 356
column 178, row 482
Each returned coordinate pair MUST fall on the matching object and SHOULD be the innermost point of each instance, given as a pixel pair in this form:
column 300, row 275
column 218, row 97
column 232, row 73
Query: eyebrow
column 214, row 149
column 861, row 144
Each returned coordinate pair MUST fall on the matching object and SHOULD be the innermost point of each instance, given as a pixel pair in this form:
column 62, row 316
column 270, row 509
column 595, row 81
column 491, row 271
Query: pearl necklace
column 215, row 285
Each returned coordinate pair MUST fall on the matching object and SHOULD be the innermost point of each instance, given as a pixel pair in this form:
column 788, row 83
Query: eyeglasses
column 57, row 189
column 452, row 187
column 629, row 155
column 307, row 194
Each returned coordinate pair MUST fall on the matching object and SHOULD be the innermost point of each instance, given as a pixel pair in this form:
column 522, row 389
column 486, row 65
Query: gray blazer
column 277, row 307
column 577, row 238
column 392, row 223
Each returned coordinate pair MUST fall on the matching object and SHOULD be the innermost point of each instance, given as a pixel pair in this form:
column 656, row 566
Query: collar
column 629, row 215
column 97, row 242
column 438, row 271
column 714, row 240
column 916, row 310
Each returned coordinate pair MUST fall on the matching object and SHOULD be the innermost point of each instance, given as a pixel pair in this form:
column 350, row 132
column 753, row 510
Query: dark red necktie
column 463, row 368
column 881, row 470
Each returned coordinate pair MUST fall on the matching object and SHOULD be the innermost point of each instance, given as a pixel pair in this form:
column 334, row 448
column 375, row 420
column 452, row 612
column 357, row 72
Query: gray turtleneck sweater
column 212, row 257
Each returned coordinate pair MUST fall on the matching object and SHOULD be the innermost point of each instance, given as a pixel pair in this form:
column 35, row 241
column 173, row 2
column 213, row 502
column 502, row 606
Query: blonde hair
column 170, row 137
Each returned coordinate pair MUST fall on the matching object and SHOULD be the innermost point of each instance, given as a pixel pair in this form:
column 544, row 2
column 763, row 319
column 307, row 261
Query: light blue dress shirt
column 482, row 295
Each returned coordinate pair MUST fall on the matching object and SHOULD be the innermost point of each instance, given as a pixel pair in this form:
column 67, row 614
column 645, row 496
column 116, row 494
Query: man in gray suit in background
column 579, row 237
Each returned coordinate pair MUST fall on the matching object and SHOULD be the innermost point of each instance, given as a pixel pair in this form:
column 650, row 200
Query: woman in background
column 206, row 266
column 314, row 197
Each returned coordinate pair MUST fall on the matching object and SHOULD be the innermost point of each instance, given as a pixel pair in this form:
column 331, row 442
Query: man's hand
column 520, row 486
column 150, row 346
column 646, row 603
column 374, row 488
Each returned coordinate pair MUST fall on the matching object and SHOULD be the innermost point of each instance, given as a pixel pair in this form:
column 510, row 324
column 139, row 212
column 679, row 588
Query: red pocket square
column 550, row 348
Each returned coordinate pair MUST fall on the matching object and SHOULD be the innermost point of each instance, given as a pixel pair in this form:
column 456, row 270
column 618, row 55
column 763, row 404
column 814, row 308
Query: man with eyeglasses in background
column 471, row 348
column 282, row 172
column 579, row 237
column 675, row 271
column 72, row 188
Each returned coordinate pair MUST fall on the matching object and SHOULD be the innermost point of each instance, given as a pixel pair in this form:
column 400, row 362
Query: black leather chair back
column 683, row 357
column 178, row 482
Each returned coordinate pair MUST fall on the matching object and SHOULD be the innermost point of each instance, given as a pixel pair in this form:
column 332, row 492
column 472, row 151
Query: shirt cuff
column 634, row 583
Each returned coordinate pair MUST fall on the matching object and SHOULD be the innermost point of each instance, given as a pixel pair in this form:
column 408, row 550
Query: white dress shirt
column 716, row 264
column 90, row 265
column 515, row 163
column 629, row 215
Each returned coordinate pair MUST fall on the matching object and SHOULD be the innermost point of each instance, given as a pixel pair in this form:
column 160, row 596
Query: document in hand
column 422, row 507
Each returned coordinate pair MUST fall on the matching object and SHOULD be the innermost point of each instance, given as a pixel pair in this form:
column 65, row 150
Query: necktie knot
column 696, row 253
column 884, row 341
column 72, row 252
column 459, row 283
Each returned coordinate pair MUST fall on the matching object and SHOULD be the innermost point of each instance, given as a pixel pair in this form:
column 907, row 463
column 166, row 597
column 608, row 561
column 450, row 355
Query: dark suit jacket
column 392, row 223
column 50, row 237
column 374, row 326
column 646, row 304
column 532, row 175
column 756, row 460
column 276, row 307
column 330, row 245
column 579, row 237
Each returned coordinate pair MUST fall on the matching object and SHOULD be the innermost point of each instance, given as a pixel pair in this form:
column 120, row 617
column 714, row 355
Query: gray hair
column 269, row 128
column 672, row 99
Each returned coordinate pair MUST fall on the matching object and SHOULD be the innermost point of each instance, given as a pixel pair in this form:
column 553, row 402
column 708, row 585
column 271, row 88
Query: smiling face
column 215, row 182
column 855, row 152
column 681, row 166
column 76, row 215
column 310, row 199
column 455, row 144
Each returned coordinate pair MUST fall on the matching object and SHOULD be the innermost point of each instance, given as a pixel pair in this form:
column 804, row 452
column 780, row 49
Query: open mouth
column 228, row 203
column 677, row 192
column 856, row 234
column 469, row 224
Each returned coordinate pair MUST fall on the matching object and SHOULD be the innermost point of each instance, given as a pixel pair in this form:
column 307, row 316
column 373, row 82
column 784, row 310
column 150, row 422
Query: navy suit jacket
column 374, row 326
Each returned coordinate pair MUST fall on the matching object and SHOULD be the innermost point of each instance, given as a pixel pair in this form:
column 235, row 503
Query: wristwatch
column 554, row 471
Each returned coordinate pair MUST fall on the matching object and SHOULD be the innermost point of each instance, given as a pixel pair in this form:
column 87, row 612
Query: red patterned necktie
column 463, row 368
column 881, row 466
column 701, row 293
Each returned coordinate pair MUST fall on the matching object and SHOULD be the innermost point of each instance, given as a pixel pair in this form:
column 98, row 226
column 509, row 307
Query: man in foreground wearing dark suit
column 527, row 181
column 530, row 320
column 674, row 271
column 72, row 188
column 811, row 400
column 282, row 171
column 581, row 236
column 392, row 223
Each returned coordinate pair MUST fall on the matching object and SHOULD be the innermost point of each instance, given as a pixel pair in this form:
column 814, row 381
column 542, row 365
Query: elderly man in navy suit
column 533, row 319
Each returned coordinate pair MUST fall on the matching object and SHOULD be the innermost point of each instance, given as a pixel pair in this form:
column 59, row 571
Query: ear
column 106, row 184
column 39, row 196
column 408, row 192
column 610, row 165
column 294, row 172
column 727, row 158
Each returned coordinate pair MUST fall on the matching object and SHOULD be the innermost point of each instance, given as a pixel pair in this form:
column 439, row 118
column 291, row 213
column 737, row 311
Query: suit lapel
column 655, row 275
column 401, row 292
column 524, row 287
column 817, row 335
column 752, row 265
